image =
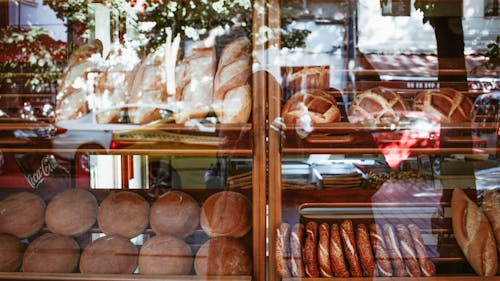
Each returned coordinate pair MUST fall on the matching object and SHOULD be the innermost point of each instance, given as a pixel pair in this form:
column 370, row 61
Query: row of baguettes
column 344, row 251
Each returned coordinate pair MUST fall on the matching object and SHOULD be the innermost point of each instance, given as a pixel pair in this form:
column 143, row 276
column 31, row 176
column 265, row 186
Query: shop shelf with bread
column 409, row 203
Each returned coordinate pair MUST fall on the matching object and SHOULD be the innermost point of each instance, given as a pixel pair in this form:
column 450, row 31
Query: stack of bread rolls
column 347, row 250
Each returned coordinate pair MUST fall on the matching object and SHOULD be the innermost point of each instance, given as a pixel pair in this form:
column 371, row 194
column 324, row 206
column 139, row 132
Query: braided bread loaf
column 377, row 104
column 451, row 106
column 318, row 105
column 232, row 92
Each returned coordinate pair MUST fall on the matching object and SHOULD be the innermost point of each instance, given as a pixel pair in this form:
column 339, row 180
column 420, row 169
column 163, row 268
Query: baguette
column 426, row 265
column 473, row 234
column 408, row 251
column 296, row 242
column 325, row 268
column 383, row 261
column 336, row 253
column 394, row 251
column 311, row 250
column 491, row 207
column 347, row 234
column 364, row 250
column 282, row 253
column 232, row 93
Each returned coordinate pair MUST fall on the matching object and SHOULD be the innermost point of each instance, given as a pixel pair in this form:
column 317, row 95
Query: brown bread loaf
column 394, row 251
column 325, row 268
column 491, row 207
column 111, row 254
column 51, row 253
column 378, row 104
column 23, row 214
column 282, row 251
column 408, row 251
column 383, row 262
column 426, row 265
column 11, row 253
column 473, row 234
column 165, row 254
column 365, row 250
column 223, row 256
column 351, row 253
column 336, row 253
column 318, row 106
column 311, row 250
column 296, row 244
column 450, row 105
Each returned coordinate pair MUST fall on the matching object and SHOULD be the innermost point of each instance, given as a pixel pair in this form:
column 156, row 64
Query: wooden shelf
column 434, row 278
column 114, row 277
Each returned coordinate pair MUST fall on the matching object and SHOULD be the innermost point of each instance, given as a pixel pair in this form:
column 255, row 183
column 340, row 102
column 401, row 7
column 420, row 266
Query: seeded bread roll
column 451, row 106
column 11, row 253
column 51, row 253
column 223, row 256
column 109, row 255
column 175, row 213
column 123, row 213
column 165, row 254
column 72, row 212
column 473, row 234
column 226, row 213
column 23, row 214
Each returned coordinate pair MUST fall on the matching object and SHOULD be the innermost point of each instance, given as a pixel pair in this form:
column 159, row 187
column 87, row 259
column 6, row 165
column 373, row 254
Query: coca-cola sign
column 38, row 169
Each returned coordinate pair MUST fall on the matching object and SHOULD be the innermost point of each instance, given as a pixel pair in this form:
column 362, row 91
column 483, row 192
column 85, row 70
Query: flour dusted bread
column 11, row 253
column 123, row 213
column 195, row 92
column 450, row 105
column 165, row 254
column 175, row 213
column 491, row 207
column 226, row 213
column 223, row 256
column 71, row 212
column 111, row 254
column 51, row 253
column 311, row 106
column 232, row 92
column 309, row 77
column 377, row 105
column 23, row 214
column 473, row 234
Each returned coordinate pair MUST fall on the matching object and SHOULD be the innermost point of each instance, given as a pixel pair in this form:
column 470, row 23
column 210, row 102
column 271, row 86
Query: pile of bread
column 124, row 89
column 347, row 251
column 314, row 104
column 71, row 217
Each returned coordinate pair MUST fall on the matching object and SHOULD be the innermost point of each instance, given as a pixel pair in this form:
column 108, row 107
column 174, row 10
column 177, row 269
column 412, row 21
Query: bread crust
column 365, row 250
column 394, row 251
column 318, row 105
column 309, row 77
column 336, row 253
column 491, row 207
column 383, row 262
column 296, row 243
column 282, row 251
column 23, row 214
column 408, row 251
column 377, row 104
column 325, row 269
column 450, row 105
column 426, row 265
column 473, row 234
column 351, row 253
column 311, row 250
column 51, row 253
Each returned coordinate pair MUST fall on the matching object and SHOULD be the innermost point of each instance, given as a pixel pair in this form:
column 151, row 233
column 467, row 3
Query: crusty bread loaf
column 408, row 251
column 175, row 213
column 450, row 105
column 377, row 105
column 51, row 253
column 149, row 89
column 311, row 250
column 336, row 253
column 309, row 77
column 473, row 234
column 382, row 258
column 72, row 96
column 351, row 253
column 325, row 267
column 312, row 106
column 232, row 92
column 23, row 214
column 365, row 250
column 195, row 81
column 123, row 213
column 11, row 253
column 109, row 255
column 394, row 252
column 165, row 254
column 223, row 256
column 296, row 242
column 282, row 251
column 71, row 212
column 491, row 207
column 226, row 213
column 426, row 265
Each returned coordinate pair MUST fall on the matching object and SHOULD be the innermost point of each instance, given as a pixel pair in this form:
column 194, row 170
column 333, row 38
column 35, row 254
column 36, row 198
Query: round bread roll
column 11, row 253
column 378, row 104
column 226, row 213
column 123, row 213
column 109, row 255
column 51, row 253
column 223, row 256
column 451, row 106
column 22, row 214
column 165, row 254
column 309, row 77
column 318, row 106
column 72, row 212
column 175, row 213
